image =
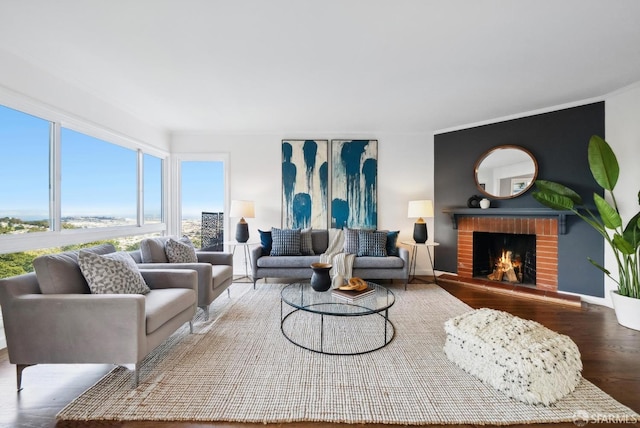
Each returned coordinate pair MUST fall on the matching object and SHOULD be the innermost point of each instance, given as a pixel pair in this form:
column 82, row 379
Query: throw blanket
column 342, row 262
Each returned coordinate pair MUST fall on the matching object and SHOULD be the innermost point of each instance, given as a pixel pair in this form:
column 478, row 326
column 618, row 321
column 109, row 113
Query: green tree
column 16, row 263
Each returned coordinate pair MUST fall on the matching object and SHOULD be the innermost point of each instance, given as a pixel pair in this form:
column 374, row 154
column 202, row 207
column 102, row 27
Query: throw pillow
column 286, row 242
column 306, row 245
column 351, row 244
column 114, row 273
column 60, row 273
column 372, row 243
column 265, row 241
column 180, row 252
column 392, row 243
column 152, row 250
column 185, row 240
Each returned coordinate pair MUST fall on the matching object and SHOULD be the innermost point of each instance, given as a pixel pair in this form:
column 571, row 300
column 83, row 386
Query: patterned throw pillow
column 113, row 273
column 180, row 252
column 306, row 245
column 286, row 242
column 351, row 244
column 372, row 244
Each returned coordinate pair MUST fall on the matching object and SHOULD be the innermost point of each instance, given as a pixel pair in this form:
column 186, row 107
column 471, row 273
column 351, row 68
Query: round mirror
column 505, row 172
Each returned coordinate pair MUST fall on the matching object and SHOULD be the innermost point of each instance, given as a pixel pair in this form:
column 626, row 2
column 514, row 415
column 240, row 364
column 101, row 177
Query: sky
column 98, row 178
column 202, row 188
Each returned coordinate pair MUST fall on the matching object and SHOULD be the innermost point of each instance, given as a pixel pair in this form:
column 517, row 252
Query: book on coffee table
column 352, row 295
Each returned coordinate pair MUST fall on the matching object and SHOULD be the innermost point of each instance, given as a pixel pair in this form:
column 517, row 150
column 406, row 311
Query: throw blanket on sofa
column 342, row 262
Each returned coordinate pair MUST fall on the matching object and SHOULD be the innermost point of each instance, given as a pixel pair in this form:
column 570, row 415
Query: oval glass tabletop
column 300, row 295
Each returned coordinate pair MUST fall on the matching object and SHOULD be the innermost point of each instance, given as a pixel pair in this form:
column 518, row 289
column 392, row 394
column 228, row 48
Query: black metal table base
column 412, row 266
column 388, row 333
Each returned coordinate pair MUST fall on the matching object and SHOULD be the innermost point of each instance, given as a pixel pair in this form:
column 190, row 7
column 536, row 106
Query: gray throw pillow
column 351, row 243
column 306, row 244
column 60, row 274
column 286, row 242
column 152, row 250
column 180, row 251
column 372, row 244
column 114, row 273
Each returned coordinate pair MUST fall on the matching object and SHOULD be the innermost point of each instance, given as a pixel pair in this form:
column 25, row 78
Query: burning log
column 496, row 275
column 505, row 269
column 511, row 275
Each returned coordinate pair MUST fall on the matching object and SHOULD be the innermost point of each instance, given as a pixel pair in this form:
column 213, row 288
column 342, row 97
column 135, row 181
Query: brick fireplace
column 546, row 247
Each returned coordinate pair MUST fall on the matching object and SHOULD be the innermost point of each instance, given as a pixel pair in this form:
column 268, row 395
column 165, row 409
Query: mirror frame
column 495, row 149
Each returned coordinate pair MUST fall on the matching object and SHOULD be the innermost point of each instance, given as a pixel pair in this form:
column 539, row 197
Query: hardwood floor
column 610, row 355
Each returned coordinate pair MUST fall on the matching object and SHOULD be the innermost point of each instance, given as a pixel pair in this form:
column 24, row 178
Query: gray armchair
column 215, row 269
column 66, row 324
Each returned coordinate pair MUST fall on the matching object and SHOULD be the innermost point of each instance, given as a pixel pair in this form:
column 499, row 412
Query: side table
column 414, row 254
column 245, row 248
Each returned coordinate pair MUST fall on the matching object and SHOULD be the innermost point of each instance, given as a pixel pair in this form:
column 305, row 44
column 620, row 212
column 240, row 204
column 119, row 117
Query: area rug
column 240, row 368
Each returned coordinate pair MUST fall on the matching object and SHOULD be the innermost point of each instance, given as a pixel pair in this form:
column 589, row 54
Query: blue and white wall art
column 305, row 183
column 354, row 176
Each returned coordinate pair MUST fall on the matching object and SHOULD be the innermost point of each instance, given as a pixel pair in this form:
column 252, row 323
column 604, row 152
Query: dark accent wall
column 558, row 140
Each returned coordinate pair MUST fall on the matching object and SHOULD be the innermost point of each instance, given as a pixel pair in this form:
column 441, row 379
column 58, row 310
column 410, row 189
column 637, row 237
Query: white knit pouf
column 521, row 358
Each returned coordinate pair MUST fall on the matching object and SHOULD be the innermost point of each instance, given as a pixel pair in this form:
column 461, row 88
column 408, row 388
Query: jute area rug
column 240, row 368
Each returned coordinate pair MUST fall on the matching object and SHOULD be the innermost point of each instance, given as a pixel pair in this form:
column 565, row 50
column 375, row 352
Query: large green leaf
column 553, row 200
column 603, row 163
column 632, row 231
column 560, row 189
column 623, row 245
column 610, row 217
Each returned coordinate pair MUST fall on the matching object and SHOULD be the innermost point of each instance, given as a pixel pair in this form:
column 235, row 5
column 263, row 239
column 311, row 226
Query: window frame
column 175, row 223
column 56, row 236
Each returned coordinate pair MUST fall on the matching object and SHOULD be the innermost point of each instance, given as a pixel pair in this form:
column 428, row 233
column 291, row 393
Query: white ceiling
column 320, row 66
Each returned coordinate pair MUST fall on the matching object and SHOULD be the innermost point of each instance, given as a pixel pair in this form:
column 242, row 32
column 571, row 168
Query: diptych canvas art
column 305, row 184
column 354, row 165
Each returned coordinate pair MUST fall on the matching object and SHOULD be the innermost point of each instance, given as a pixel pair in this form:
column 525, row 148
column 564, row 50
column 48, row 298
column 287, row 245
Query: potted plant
column 623, row 240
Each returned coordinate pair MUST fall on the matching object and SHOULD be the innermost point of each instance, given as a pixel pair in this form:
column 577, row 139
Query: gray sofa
column 52, row 317
column 266, row 266
column 215, row 269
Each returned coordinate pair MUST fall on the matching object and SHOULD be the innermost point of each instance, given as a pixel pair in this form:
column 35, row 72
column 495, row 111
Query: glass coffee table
column 320, row 322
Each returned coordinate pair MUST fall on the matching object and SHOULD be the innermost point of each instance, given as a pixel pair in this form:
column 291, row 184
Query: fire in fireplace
column 505, row 257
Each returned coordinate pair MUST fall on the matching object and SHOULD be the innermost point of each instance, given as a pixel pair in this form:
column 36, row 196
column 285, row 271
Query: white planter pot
column 627, row 310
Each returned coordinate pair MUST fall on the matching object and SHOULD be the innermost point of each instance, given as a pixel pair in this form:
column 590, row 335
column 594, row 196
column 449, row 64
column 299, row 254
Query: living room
column 225, row 81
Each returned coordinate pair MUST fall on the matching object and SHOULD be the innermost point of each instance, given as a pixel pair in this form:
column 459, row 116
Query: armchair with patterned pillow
column 93, row 306
column 215, row 269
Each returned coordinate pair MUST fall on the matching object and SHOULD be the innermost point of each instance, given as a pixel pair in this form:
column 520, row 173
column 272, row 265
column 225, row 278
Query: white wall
column 622, row 124
column 405, row 172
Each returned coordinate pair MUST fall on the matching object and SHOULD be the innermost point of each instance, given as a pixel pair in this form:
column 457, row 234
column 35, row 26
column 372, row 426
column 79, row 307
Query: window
column 24, row 172
column 152, row 188
column 78, row 176
column 99, row 182
column 202, row 191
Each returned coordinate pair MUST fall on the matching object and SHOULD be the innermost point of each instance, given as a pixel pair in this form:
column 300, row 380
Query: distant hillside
column 16, row 225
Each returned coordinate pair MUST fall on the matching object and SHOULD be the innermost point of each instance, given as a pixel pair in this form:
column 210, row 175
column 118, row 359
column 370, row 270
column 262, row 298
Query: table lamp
column 419, row 209
column 242, row 209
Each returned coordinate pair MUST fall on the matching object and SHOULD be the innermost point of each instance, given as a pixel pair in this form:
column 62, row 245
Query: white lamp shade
column 243, row 209
column 418, row 209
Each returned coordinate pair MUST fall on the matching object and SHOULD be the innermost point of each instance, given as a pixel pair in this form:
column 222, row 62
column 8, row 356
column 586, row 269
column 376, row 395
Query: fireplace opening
column 505, row 257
